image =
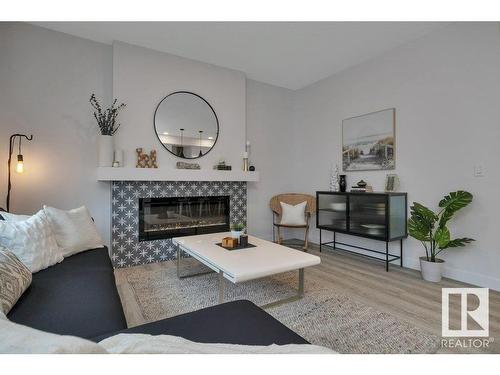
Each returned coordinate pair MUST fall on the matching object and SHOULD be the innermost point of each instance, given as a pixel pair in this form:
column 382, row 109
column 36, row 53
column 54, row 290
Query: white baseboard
column 460, row 275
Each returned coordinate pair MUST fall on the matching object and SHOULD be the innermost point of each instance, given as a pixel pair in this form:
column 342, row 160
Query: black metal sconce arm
column 11, row 150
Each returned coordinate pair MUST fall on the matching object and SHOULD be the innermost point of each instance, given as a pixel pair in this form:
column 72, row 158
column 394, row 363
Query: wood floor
column 400, row 292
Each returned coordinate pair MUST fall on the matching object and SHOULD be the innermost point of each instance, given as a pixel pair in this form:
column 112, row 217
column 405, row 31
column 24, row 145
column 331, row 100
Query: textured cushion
column 15, row 278
column 7, row 216
column 32, row 241
column 293, row 215
column 74, row 229
column 16, row 338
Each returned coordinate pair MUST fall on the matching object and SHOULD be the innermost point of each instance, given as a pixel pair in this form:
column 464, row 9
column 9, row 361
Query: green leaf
column 459, row 242
column 456, row 200
column 418, row 229
column 423, row 212
column 442, row 237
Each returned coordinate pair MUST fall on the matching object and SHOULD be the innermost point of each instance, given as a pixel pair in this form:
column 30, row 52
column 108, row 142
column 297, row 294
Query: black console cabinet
column 378, row 216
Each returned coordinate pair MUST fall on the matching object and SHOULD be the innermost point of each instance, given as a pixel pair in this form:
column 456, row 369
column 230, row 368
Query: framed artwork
column 368, row 141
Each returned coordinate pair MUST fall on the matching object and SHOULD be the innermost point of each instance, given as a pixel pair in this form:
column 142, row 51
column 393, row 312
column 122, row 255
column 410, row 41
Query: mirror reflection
column 186, row 125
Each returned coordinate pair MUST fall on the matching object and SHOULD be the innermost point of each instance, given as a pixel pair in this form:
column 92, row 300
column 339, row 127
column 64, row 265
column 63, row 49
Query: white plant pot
column 236, row 234
column 105, row 150
column 431, row 271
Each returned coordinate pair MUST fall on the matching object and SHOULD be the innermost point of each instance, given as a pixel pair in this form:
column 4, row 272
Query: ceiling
column 285, row 54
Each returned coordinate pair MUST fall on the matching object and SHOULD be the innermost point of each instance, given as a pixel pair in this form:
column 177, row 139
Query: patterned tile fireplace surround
column 126, row 249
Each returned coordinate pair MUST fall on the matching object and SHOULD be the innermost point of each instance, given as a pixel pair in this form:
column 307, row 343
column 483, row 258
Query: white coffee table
column 265, row 259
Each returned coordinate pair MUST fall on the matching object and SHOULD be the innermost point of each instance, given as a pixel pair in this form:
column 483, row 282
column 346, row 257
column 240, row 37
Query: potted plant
column 430, row 229
column 106, row 120
column 237, row 230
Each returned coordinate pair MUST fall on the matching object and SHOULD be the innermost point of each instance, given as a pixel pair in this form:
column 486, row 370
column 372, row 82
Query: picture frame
column 391, row 183
column 369, row 141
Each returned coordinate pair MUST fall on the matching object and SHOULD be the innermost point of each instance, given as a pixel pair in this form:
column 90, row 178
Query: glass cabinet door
column 397, row 216
column 332, row 211
column 367, row 215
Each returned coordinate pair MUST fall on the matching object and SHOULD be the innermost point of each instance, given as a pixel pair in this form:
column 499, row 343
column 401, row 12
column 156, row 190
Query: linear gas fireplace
column 161, row 218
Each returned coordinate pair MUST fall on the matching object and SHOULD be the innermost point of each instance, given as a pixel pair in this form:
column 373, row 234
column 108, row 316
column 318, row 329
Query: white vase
column 236, row 234
column 105, row 150
column 431, row 271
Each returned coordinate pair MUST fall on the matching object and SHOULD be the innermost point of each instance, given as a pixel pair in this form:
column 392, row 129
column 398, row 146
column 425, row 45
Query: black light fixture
column 201, row 153
column 181, row 154
column 20, row 160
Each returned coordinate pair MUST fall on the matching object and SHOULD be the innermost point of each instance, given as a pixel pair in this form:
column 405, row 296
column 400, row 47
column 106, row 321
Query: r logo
column 479, row 315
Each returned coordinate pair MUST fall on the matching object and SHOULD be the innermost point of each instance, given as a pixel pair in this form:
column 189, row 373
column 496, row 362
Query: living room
column 330, row 184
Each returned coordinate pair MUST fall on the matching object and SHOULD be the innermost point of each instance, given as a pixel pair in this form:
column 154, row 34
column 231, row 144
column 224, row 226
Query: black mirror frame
column 202, row 98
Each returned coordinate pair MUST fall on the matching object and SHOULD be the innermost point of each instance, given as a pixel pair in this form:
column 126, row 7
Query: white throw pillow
column 7, row 216
column 293, row 215
column 32, row 241
column 74, row 229
column 16, row 339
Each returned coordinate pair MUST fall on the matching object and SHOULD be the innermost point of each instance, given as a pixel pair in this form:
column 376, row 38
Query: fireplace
column 163, row 218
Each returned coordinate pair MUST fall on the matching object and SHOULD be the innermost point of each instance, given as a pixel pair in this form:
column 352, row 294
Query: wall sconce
column 20, row 160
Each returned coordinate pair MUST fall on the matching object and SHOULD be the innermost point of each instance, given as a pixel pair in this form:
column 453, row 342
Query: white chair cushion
column 32, row 241
column 75, row 230
column 293, row 215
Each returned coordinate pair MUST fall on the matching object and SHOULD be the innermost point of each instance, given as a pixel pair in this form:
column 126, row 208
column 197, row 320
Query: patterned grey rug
column 322, row 317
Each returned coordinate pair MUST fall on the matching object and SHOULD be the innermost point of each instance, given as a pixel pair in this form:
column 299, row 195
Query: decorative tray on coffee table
column 239, row 247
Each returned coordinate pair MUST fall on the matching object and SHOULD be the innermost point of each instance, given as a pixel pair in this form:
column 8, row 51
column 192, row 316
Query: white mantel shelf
column 166, row 174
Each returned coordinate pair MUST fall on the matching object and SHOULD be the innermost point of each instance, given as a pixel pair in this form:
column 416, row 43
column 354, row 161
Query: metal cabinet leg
column 387, row 256
column 320, row 242
column 221, row 287
column 401, row 259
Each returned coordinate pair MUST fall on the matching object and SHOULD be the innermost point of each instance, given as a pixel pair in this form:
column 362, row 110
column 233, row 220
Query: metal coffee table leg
column 297, row 296
column 221, row 287
column 179, row 267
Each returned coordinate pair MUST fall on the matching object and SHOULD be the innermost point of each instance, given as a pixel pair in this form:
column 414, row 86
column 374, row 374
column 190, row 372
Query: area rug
column 322, row 317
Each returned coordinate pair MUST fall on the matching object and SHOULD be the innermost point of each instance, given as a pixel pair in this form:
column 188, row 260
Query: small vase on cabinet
column 342, row 183
column 105, row 150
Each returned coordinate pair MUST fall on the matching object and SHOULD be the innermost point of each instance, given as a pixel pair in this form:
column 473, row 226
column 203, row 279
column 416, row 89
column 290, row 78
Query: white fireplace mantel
column 166, row 174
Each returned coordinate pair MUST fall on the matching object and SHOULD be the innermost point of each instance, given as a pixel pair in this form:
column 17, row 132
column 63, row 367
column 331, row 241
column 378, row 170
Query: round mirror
column 186, row 125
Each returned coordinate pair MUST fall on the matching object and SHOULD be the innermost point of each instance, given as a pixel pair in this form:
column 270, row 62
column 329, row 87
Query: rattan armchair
column 293, row 199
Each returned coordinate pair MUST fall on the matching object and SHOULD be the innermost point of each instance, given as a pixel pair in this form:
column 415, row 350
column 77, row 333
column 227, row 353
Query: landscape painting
column 368, row 141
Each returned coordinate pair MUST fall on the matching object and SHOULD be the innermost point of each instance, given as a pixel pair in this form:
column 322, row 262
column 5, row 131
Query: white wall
column 46, row 79
column 445, row 88
column 270, row 131
column 143, row 77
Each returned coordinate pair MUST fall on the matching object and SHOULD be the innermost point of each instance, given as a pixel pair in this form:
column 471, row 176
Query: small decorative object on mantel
column 251, row 168
column 106, row 120
column 221, row 166
column 391, row 182
column 342, row 183
column 334, row 178
column 145, row 160
column 184, row 165
column 118, row 158
column 245, row 156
